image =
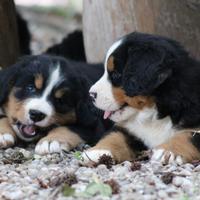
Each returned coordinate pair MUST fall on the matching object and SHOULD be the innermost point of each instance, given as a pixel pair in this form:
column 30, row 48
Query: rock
column 13, row 195
column 178, row 181
column 185, row 172
column 162, row 194
column 197, row 169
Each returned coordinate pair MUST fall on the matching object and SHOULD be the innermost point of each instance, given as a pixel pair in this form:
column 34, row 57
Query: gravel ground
column 24, row 175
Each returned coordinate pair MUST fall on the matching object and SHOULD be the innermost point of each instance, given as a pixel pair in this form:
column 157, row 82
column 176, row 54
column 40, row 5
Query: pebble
column 185, row 172
column 162, row 194
column 13, row 195
column 197, row 169
column 178, row 181
column 32, row 172
column 102, row 170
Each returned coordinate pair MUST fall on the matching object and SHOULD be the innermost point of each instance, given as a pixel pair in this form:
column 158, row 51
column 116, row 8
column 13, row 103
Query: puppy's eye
column 30, row 88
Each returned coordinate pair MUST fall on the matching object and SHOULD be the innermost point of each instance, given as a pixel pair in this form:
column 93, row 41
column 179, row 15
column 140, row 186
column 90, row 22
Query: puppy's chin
column 123, row 114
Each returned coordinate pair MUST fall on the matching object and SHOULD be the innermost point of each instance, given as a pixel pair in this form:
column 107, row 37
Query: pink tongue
column 107, row 114
column 29, row 130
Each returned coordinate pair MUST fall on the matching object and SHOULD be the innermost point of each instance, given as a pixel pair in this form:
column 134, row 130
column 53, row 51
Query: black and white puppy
column 42, row 94
column 151, row 90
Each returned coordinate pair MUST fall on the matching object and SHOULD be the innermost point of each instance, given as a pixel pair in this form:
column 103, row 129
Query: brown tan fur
column 110, row 63
column 181, row 145
column 39, row 81
column 59, row 93
column 6, row 128
column 138, row 102
column 117, row 144
column 63, row 119
column 64, row 136
column 14, row 109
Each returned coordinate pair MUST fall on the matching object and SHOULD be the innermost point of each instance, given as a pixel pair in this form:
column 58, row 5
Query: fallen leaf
column 78, row 155
column 68, row 191
column 96, row 187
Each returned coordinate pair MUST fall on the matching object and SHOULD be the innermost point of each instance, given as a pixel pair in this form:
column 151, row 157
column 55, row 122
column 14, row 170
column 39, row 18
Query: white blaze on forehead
column 41, row 103
column 111, row 50
column 53, row 81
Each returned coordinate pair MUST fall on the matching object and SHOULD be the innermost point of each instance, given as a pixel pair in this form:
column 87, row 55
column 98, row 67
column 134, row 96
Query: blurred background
column 50, row 20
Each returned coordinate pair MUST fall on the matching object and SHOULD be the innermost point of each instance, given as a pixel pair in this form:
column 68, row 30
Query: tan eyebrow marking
column 110, row 63
column 60, row 92
column 39, row 81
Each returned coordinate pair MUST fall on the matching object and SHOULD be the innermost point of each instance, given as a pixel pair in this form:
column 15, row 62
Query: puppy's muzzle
column 36, row 115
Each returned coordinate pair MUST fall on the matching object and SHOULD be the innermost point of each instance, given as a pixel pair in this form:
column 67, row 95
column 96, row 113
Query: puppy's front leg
column 7, row 135
column 114, row 144
column 56, row 140
column 184, row 147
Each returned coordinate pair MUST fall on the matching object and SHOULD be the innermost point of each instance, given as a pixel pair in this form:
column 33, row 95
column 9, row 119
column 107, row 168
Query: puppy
column 151, row 90
column 71, row 47
column 42, row 94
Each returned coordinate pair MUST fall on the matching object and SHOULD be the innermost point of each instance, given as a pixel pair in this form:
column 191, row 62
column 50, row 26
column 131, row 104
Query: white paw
column 92, row 156
column 166, row 157
column 6, row 140
column 46, row 147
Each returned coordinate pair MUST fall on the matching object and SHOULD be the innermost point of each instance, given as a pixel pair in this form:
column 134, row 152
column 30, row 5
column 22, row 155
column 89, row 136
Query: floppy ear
column 7, row 80
column 9, row 75
column 85, row 110
column 145, row 70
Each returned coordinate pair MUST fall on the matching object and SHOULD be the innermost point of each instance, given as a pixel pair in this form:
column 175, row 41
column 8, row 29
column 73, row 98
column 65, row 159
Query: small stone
column 15, row 195
column 27, row 154
column 185, row 172
column 189, row 166
column 197, row 168
column 33, row 173
column 162, row 194
column 177, row 181
column 102, row 170
column 186, row 184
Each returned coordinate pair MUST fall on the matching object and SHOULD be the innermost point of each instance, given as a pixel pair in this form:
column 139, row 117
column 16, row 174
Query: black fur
column 156, row 66
column 71, row 47
column 134, row 143
column 78, row 77
column 195, row 139
column 24, row 35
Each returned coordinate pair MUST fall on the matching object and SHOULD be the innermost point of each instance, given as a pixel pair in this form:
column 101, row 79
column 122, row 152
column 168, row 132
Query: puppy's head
column 135, row 66
column 37, row 93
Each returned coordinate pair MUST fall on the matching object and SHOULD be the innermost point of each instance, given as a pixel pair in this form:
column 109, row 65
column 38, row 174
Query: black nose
column 93, row 95
column 36, row 115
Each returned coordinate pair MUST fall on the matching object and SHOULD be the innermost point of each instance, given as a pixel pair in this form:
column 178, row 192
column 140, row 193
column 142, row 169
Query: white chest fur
column 148, row 128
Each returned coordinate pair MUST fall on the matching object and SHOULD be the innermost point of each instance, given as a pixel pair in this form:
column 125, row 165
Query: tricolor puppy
column 42, row 94
column 151, row 90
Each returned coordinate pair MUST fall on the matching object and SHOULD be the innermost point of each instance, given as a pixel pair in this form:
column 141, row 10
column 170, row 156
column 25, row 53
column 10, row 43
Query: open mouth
column 27, row 130
column 108, row 114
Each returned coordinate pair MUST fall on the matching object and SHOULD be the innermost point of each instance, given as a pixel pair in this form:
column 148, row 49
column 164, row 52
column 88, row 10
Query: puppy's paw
column 166, row 157
column 92, row 156
column 46, row 146
column 6, row 140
